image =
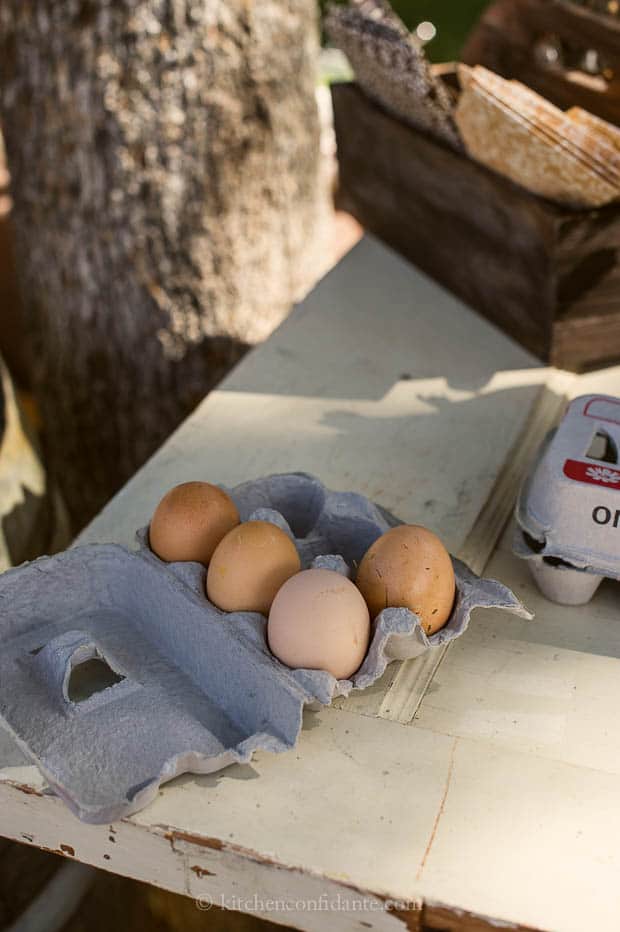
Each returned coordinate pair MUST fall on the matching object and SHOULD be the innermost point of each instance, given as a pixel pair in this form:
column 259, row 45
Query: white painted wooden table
column 501, row 797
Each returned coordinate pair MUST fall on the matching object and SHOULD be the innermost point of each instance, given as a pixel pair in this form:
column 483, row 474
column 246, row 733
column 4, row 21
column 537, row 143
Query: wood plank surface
column 410, row 682
column 383, row 383
column 379, row 382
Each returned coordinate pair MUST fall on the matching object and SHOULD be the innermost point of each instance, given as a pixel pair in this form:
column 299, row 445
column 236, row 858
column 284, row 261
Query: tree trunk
column 165, row 175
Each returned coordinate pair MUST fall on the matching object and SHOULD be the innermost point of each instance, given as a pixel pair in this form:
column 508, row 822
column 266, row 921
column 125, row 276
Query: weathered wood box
column 548, row 276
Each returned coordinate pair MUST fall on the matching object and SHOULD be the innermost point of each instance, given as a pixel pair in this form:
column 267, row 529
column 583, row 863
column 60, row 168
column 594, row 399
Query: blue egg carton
column 117, row 674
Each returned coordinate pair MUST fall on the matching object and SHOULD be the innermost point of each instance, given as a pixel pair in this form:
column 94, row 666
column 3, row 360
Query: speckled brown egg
column 190, row 521
column 249, row 566
column 409, row 567
column 319, row 621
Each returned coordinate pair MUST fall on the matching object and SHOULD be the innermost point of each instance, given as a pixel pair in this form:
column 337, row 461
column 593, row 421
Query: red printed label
column 595, row 474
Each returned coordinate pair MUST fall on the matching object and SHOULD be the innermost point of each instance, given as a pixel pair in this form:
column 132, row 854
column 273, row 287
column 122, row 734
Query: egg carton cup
column 568, row 509
column 117, row 674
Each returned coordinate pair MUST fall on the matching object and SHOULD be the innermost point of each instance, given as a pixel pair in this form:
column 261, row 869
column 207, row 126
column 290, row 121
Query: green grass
column 452, row 18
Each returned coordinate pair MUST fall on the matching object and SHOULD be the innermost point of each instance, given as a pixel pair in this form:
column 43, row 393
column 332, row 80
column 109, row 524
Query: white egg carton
column 117, row 673
column 568, row 511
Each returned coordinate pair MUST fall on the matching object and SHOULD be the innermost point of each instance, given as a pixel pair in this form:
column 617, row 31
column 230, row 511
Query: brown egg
column 409, row 567
column 249, row 566
column 190, row 521
column 319, row 621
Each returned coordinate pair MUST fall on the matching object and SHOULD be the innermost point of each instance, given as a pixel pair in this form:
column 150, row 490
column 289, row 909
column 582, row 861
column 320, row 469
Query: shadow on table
column 373, row 321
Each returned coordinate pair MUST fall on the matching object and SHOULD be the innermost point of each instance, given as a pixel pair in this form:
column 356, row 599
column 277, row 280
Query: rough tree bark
column 165, row 168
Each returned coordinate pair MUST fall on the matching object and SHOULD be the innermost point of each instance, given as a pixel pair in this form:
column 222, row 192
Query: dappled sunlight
column 372, row 322
column 420, row 429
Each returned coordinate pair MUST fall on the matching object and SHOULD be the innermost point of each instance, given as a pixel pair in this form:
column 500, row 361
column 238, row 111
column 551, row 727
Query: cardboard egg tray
column 568, row 512
column 117, row 673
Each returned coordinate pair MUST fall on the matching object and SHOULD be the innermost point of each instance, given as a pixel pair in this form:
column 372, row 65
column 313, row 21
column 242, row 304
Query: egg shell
column 319, row 621
column 190, row 521
column 249, row 566
column 409, row 567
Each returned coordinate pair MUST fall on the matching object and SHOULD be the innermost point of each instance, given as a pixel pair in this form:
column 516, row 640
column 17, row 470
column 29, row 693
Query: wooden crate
column 547, row 275
column 509, row 38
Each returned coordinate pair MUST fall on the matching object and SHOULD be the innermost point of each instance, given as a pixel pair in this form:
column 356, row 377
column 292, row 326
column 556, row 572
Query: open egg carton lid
column 568, row 511
column 117, row 673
